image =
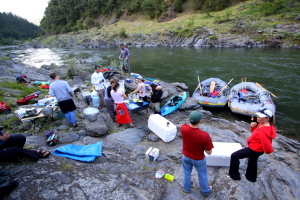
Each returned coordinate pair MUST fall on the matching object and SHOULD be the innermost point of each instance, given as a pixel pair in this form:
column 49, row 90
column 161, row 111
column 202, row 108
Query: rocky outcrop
column 241, row 35
column 123, row 171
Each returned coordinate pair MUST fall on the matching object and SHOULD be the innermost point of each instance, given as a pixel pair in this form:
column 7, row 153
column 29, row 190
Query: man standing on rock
column 156, row 94
column 97, row 80
column 194, row 143
column 124, row 59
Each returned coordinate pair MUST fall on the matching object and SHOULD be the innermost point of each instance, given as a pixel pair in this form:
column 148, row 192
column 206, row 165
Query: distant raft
column 213, row 93
column 173, row 103
column 247, row 98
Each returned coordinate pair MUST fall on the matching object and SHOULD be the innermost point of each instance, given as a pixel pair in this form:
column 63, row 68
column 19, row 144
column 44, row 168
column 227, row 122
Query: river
column 276, row 69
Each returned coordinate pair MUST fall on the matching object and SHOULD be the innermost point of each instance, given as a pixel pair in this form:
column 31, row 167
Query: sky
column 32, row 10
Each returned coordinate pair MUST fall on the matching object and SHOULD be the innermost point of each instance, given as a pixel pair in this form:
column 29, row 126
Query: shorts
column 155, row 106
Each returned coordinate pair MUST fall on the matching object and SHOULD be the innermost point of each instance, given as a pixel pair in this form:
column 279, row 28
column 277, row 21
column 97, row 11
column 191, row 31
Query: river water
column 277, row 70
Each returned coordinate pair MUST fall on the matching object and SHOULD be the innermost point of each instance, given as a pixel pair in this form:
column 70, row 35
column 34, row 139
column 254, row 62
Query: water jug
column 95, row 99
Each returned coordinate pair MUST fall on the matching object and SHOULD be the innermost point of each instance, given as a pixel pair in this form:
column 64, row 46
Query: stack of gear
column 52, row 138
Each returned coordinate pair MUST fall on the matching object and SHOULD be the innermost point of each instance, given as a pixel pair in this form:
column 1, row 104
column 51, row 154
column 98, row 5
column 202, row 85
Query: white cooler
column 162, row 127
column 221, row 153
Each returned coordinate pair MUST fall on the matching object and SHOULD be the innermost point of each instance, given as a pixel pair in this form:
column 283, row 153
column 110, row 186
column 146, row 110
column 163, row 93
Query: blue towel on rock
column 86, row 153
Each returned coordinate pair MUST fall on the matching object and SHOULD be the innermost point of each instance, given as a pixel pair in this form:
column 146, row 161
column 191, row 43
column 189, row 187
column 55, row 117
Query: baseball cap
column 196, row 116
column 265, row 113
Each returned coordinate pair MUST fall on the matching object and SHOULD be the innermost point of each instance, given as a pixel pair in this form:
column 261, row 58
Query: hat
column 265, row 113
column 140, row 77
column 196, row 116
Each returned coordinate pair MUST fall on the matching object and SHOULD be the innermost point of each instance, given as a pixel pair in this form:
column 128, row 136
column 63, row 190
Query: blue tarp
column 86, row 153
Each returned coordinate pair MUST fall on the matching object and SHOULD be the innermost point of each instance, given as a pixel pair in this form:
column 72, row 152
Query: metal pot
column 91, row 114
column 47, row 110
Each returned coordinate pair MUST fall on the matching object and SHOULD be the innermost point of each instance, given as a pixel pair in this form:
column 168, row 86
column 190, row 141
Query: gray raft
column 248, row 103
column 205, row 99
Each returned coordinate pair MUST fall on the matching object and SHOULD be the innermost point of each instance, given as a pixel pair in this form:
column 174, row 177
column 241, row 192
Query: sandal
column 120, row 125
column 133, row 125
column 43, row 154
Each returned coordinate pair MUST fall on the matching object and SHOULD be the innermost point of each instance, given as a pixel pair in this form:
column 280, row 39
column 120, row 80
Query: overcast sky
column 32, row 10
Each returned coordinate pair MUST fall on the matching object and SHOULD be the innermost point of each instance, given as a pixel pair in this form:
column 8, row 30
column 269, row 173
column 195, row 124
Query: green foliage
column 178, row 6
column 270, row 8
column 228, row 13
column 191, row 22
column 5, row 58
column 15, row 27
column 197, row 4
column 215, row 5
column 122, row 33
column 89, row 23
column 212, row 37
column 118, row 12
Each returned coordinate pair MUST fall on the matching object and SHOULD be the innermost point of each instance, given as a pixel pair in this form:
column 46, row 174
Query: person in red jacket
column 259, row 142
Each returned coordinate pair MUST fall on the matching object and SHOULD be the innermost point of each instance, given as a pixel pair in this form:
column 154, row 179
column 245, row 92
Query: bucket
column 91, row 114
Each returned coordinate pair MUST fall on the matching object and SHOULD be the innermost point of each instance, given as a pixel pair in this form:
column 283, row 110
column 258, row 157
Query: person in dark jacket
column 12, row 147
column 156, row 94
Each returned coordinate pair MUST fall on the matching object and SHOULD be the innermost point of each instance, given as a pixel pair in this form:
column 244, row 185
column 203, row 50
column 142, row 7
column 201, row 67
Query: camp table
column 133, row 107
column 40, row 120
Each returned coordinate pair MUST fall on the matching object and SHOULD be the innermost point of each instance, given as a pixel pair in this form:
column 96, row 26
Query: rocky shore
column 123, row 172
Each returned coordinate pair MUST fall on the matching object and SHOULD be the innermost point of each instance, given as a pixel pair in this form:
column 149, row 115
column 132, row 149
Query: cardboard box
column 153, row 154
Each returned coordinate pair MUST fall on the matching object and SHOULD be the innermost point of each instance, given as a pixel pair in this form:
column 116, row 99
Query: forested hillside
column 15, row 27
column 71, row 15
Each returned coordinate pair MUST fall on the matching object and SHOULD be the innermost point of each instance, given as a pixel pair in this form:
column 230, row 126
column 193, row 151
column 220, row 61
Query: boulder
column 96, row 128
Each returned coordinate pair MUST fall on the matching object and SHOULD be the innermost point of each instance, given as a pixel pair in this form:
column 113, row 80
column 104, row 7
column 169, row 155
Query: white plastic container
column 95, row 99
column 162, row 127
column 221, row 153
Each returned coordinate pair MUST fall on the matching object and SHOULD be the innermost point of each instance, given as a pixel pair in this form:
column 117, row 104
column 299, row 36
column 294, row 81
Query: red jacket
column 261, row 139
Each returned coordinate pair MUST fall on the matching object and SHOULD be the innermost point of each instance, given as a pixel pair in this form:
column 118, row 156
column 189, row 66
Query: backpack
column 4, row 108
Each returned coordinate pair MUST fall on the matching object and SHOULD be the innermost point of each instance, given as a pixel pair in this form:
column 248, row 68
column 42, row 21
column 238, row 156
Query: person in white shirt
column 142, row 91
column 97, row 80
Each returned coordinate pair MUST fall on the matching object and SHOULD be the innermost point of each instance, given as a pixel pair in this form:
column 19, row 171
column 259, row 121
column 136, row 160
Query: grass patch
column 66, row 167
column 5, row 58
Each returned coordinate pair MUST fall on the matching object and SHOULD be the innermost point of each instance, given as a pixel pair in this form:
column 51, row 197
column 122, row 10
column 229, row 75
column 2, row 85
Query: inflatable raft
column 247, row 98
column 213, row 93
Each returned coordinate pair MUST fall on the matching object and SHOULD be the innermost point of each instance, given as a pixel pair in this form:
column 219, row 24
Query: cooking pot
column 91, row 114
column 47, row 110
column 140, row 102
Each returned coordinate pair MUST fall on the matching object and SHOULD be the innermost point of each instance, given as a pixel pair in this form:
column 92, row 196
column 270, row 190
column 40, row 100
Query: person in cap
column 141, row 89
column 259, row 142
column 194, row 143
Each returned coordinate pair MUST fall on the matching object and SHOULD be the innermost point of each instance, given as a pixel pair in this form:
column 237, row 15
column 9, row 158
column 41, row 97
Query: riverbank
column 123, row 172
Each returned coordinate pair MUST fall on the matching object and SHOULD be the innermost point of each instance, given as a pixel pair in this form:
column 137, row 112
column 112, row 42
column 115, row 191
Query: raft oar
column 223, row 88
column 259, row 85
column 200, row 86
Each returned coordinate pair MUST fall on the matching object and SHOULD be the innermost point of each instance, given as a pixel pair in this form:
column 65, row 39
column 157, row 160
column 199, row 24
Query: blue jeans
column 200, row 166
column 71, row 118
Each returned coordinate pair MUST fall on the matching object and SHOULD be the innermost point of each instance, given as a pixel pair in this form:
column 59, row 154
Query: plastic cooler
column 162, row 127
column 221, row 153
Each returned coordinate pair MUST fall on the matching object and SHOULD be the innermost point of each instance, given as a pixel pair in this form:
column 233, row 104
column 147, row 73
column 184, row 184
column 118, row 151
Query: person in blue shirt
column 124, row 58
column 65, row 97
